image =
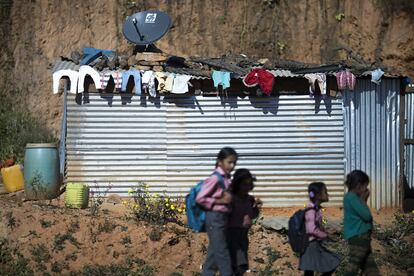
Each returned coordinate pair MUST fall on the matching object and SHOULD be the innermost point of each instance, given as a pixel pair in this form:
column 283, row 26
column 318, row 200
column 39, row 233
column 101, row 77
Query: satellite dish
column 146, row 27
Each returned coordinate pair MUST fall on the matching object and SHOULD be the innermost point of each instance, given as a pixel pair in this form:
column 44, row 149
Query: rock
column 158, row 68
column 149, row 63
column 151, row 57
column 275, row 223
column 114, row 199
column 263, row 61
column 132, row 61
column 144, row 68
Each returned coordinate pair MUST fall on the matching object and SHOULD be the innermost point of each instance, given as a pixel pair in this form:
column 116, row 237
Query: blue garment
column 376, row 76
column 406, row 81
column 137, row 80
column 218, row 254
column 90, row 54
column 221, row 77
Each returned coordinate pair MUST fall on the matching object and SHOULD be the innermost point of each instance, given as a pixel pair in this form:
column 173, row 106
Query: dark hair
column 239, row 176
column 355, row 179
column 315, row 189
column 224, row 153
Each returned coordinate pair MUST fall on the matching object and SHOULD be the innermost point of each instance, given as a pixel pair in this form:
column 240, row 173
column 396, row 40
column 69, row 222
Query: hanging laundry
column 116, row 76
column 148, row 83
column 71, row 74
column 165, row 81
column 376, row 76
column 90, row 54
column 221, row 78
column 87, row 70
column 345, row 80
column 260, row 77
column 137, row 80
column 180, row 85
column 318, row 77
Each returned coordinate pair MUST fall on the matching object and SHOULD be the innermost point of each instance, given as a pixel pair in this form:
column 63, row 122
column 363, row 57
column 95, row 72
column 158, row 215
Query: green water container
column 76, row 195
column 41, row 171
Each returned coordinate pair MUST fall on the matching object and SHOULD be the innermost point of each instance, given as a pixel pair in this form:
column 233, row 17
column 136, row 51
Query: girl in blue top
column 358, row 225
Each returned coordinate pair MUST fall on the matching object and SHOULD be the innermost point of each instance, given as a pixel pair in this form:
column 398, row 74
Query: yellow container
column 12, row 178
column 77, row 195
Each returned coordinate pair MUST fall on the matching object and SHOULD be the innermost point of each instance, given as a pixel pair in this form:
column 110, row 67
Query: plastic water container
column 77, row 195
column 41, row 171
column 12, row 178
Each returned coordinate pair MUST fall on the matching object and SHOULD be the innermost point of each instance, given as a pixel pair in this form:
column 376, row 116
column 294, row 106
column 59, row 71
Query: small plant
column 40, row 254
column 272, row 256
column 45, row 223
column 176, row 274
column 59, row 241
column 11, row 221
column 71, row 256
column 97, row 196
column 124, row 228
column 339, row 17
column 126, row 240
column 56, row 267
column 106, row 227
column 155, row 234
column 157, row 209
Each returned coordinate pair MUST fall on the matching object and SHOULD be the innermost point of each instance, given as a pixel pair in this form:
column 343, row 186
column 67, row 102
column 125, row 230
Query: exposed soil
column 35, row 33
column 73, row 239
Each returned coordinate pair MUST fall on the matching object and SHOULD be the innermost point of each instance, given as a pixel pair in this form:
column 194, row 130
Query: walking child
column 245, row 208
column 358, row 225
column 216, row 202
column 316, row 257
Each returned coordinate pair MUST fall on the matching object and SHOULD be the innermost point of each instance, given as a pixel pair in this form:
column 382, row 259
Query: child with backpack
column 215, row 199
column 245, row 208
column 358, row 225
column 316, row 257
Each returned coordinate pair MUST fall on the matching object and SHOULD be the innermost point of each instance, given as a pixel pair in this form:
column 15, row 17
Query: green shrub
column 18, row 128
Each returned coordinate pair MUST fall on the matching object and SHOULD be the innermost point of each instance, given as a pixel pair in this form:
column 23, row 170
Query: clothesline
column 179, row 83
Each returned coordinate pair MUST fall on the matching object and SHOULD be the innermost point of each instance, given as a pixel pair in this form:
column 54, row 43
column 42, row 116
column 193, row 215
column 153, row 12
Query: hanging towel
column 376, row 76
column 345, row 80
column 148, row 82
column 260, row 77
column 318, row 77
column 71, row 74
column 116, row 76
column 180, row 85
column 87, row 70
column 221, row 77
column 137, row 80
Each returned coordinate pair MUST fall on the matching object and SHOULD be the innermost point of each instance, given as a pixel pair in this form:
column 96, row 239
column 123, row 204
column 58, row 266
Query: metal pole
column 62, row 146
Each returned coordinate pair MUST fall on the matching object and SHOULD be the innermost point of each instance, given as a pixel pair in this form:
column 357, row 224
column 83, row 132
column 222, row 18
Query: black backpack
column 298, row 238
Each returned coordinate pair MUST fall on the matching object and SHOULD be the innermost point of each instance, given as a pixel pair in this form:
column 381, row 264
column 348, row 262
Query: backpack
column 196, row 215
column 298, row 238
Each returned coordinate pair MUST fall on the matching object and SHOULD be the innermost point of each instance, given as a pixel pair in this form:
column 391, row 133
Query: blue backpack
column 298, row 238
column 196, row 215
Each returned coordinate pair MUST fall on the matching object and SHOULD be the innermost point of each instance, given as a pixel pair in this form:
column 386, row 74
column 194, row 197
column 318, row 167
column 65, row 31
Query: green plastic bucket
column 76, row 195
column 41, row 171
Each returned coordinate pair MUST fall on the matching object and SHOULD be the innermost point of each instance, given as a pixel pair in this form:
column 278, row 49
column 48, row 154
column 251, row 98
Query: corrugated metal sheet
column 372, row 137
column 287, row 142
column 409, row 134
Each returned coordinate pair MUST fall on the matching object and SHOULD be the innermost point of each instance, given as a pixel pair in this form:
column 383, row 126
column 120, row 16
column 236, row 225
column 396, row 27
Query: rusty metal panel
column 372, row 137
column 287, row 142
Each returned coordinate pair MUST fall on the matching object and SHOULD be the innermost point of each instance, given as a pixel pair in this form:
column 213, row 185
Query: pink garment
column 211, row 190
column 313, row 224
column 242, row 212
column 345, row 80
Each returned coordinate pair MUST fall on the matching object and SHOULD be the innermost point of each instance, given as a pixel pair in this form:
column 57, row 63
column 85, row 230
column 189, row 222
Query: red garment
column 260, row 77
column 345, row 79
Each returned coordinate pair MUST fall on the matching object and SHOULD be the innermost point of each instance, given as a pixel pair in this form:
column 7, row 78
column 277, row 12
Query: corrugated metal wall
column 287, row 142
column 372, row 137
column 409, row 134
